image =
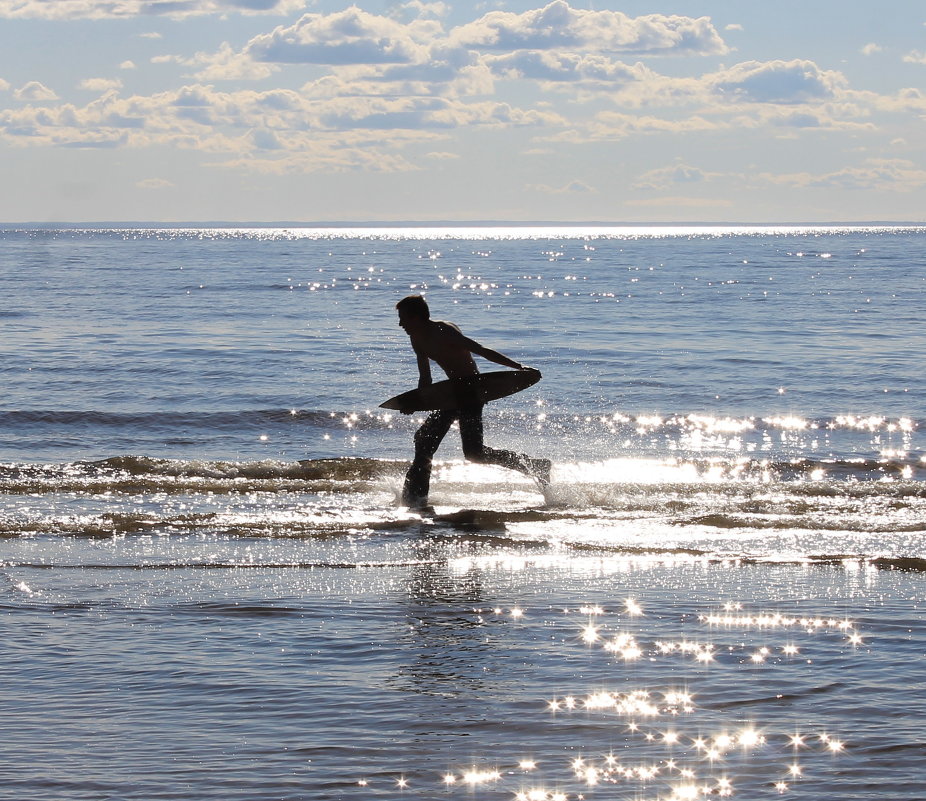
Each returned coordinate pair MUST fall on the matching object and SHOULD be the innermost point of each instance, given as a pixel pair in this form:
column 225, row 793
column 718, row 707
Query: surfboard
column 453, row 393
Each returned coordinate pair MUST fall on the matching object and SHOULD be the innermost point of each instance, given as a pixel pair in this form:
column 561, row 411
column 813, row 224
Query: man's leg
column 475, row 449
column 427, row 440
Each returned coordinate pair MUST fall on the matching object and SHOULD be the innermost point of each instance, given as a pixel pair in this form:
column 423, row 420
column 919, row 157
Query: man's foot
column 415, row 502
column 539, row 469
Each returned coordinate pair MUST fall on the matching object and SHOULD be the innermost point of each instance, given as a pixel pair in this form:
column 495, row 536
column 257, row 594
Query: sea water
column 210, row 588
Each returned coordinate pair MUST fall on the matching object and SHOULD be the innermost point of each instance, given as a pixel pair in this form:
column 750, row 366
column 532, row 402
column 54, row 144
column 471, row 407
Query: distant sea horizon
column 448, row 223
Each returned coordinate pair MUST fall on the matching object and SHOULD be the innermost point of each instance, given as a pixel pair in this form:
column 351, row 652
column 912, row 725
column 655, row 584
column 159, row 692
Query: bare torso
column 445, row 344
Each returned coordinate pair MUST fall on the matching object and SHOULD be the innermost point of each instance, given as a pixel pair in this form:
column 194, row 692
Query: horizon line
column 447, row 223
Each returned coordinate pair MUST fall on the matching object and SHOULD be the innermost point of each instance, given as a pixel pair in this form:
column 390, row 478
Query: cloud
column 280, row 126
column 897, row 175
column 424, row 113
column 572, row 188
column 367, row 54
column 352, row 36
column 733, row 26
column 88, row 141
column 735, row 99
column 748, row 87
column 613, row 126
column 681, row 202
column 265, row 139
column 100, row 84
column 870, row 49
column 558, row 26
column 420, row 57
column 909, row 100
column 386, row 83
column 355, row 151
column 127, row 65
column 826, row 117
column 673, row 175
column 4, row 85
column 555, row 67
column 154, row 183
column 225, row 65
column 796, row 81
column 35, row 91
column 915, row 57
column 417, row 8
column 123, row 9
column 447, row 71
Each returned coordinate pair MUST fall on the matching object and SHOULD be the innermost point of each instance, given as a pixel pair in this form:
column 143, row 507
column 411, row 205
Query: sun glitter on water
column 662, row 745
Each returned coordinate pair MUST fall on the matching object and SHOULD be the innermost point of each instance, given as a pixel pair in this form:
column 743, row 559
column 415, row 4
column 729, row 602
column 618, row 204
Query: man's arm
column 495, row 356
column 424, row 375
column 424, row 371
column 492, row 355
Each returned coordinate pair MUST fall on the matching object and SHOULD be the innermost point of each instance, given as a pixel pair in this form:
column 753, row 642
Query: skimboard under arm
column 454, row 393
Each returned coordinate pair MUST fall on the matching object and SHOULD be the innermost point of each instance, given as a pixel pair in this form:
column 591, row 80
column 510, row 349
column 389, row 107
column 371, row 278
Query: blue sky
column 271, row 110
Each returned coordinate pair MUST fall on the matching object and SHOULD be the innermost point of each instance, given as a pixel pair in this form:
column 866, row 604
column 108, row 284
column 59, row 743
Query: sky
column 516, row 110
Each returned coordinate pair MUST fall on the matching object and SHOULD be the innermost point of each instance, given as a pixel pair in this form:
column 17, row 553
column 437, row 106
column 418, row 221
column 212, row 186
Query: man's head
column 413, row 310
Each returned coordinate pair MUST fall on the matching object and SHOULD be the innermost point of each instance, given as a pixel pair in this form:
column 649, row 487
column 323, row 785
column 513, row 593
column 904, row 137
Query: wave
column 782, row 522
column 905, row 564
column 174, row 420
column 853, row 478
column 579, row 422
column 142, row 474
column 631, row 508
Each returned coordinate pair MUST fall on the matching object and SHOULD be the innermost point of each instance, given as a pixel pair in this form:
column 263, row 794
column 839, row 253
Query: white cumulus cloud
column 671, row 176
column 121, row 9
column 352, row 36
column 559, row 26
column 154, row 183
column 572, row 188
column 225, row 65
column 898, row 175
column 35, row 91
column 796, row 81
column 100, row 84
column 558, row 67
column 419, row 8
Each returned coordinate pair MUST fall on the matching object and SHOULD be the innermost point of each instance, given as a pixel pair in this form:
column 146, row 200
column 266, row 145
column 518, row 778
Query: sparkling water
column 210, row 588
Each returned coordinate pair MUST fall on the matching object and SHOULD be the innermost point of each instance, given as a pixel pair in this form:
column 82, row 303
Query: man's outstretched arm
column 492, row 355
column 498, row 358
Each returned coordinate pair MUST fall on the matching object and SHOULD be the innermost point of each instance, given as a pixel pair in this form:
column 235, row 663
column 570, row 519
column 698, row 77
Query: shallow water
column 465, row 669
column 209, row 589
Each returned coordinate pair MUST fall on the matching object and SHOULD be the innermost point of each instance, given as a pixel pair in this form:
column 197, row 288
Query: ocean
column 210, row 589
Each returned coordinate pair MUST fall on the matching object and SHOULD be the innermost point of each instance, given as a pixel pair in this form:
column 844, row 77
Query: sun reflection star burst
column 590, row 634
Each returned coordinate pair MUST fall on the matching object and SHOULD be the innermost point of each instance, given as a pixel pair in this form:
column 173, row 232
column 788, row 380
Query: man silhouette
column 446, row 345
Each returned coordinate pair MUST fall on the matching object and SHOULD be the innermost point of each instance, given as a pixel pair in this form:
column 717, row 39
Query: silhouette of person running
column 445, row 344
